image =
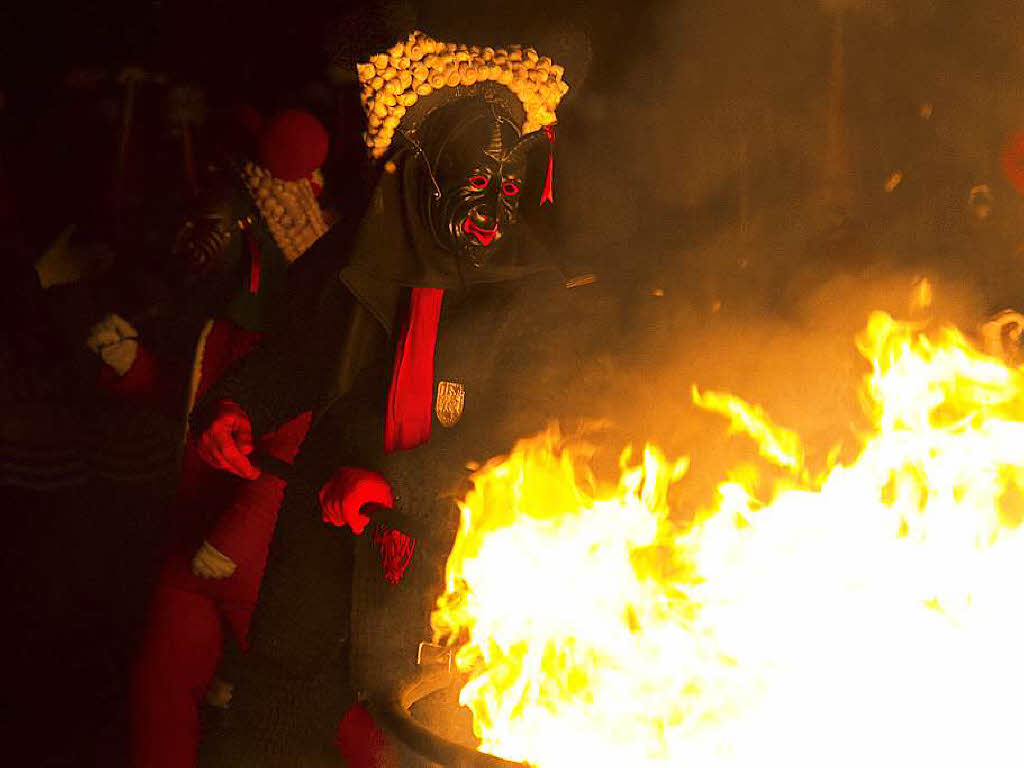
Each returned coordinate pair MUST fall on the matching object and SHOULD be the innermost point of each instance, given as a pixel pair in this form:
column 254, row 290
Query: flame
column 868, row 614
column 922, row 295
column 778, row 445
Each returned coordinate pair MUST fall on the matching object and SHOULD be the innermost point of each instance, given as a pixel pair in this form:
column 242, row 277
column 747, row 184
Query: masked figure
column 442, row 224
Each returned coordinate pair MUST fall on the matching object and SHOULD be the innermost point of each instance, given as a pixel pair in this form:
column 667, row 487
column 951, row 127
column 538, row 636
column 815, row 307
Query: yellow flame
column 922, row 295
column 778, row 445
column 870, row 617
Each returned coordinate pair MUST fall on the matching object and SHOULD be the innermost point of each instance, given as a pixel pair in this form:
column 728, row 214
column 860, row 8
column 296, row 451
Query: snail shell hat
column 404, row 84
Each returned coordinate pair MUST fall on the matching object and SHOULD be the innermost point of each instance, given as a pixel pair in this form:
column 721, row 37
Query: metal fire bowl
column 392, row 712
column 389, row 621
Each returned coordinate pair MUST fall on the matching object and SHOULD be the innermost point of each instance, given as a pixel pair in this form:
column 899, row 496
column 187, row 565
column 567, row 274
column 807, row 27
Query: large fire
column 869, row 613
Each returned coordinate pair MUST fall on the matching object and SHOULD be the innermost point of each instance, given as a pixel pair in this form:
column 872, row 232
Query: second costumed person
column 260, row 216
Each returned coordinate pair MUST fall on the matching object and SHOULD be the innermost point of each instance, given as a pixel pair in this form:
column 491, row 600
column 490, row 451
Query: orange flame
column 867, row 616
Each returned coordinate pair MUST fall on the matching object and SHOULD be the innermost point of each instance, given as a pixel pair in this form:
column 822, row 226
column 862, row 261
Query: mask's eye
column 479, row 181
column 510, row 188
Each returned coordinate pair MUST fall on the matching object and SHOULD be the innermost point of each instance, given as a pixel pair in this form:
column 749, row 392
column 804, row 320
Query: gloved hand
column 343, row 496
column 115, row 340
column 227, row 441
column 1001, row 334
column 211, row 563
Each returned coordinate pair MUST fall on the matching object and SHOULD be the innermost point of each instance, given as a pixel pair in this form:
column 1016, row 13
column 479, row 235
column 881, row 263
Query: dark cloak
column 521, row 349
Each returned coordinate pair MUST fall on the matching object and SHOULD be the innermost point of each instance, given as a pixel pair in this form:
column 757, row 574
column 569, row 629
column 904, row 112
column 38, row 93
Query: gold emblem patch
column 451, row 398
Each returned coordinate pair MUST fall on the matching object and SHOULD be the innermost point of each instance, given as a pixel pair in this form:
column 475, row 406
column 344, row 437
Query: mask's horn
column 519, row 153
column 495, row 146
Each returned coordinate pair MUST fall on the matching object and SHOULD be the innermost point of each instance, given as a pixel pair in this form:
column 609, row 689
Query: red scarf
column 412, row 380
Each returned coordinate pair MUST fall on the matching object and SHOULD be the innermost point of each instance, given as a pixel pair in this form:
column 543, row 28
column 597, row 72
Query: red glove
column 347, row 491
column 227, row 441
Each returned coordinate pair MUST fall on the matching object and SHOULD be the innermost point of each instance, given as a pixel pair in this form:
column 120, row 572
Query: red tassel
column 395, row 550
column 253, row 249
column 548, row 195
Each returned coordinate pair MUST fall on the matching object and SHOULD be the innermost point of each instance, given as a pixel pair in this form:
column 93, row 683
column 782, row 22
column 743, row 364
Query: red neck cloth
column 548, row 194
column 412, row 381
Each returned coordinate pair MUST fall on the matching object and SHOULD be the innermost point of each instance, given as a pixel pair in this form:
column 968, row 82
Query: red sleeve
column 244, row 531
column 147, row 383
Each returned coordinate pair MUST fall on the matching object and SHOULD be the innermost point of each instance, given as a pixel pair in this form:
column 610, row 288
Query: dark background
column 720, row 151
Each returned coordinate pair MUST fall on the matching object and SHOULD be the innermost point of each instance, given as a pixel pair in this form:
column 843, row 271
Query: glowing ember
column 871, row 616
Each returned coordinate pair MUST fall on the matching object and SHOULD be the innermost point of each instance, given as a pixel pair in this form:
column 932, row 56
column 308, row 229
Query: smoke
column 697, row 173
column 707, row 121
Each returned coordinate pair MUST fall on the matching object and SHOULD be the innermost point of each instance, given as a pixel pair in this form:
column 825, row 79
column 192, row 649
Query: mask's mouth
column 483, row 236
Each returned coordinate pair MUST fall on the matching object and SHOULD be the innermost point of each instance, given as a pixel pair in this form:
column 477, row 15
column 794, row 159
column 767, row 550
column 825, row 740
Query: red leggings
column 183, row 640
column 181, row 652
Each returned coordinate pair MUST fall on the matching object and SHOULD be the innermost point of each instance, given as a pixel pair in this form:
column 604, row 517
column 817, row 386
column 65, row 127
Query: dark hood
column 393, row 249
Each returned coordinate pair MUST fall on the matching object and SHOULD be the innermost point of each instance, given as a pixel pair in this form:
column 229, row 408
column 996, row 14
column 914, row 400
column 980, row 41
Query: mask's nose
column 483, row 216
